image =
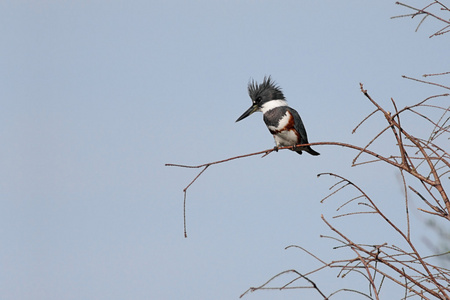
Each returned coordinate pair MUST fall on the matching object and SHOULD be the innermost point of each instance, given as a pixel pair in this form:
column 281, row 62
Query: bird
column 283, row 122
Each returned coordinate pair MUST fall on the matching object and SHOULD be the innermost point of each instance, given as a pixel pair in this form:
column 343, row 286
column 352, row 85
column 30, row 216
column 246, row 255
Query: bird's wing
column 298, row 125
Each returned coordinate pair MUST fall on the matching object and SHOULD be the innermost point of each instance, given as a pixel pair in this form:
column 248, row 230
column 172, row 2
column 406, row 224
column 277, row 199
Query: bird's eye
column 258, row 99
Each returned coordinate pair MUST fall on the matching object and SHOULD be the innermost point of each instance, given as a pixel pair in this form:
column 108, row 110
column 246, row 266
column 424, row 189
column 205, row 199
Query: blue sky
column 97, row 96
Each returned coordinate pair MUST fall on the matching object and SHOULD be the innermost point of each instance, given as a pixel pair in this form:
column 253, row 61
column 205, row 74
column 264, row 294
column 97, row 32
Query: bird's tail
column 309, row 150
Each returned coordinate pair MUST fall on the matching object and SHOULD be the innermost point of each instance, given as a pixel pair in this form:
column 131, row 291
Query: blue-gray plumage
column 283, row 122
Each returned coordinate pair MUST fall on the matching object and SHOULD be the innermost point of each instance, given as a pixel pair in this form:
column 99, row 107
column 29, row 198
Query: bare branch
column 427, row 82
column 426, row 13
column 436, row 74
column 263, row 286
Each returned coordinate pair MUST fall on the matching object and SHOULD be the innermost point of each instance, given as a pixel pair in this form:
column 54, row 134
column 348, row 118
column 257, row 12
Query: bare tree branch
column 426, row 12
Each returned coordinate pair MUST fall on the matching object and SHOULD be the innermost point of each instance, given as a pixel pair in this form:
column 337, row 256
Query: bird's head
column 261, row 95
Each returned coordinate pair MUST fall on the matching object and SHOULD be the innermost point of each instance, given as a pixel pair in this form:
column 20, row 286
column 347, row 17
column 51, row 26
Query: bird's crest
column 268, row 86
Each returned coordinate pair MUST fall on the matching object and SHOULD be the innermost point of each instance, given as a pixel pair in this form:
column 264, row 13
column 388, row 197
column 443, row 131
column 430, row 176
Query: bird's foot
column 275, row 148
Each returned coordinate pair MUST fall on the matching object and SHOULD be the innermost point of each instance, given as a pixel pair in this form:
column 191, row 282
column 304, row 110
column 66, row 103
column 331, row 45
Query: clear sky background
column 96, row 96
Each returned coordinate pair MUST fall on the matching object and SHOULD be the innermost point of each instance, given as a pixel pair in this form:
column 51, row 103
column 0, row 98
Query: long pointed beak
column 248, row 112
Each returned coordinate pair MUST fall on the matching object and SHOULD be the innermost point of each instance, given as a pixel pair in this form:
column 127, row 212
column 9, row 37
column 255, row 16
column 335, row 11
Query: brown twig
column 424, row 11
column 263, row 286
column 427, row 82
column 436, row 74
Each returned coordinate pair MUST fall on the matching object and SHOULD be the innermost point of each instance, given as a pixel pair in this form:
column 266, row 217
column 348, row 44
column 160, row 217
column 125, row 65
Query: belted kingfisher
column 283, row 122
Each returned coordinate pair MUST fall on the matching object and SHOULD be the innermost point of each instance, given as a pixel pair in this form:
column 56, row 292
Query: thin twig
column 436, row 74
column 427, row 82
